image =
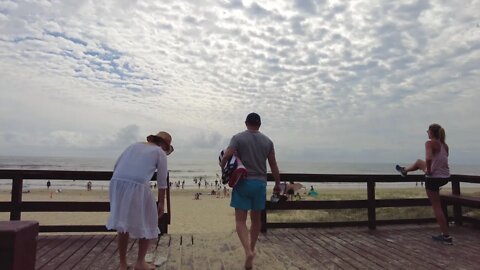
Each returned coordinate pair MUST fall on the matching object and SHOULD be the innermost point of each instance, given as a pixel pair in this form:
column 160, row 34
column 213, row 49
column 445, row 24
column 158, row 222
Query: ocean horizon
column 188, row 170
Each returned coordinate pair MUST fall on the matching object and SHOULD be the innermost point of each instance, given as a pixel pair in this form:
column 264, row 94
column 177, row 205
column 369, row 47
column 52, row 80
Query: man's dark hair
column 253, row 119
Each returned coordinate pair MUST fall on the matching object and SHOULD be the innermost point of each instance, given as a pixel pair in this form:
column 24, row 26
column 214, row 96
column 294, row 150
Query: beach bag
column 233, row 171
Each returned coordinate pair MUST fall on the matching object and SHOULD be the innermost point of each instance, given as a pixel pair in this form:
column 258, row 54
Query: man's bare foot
column 144, row 266
column 249, row 261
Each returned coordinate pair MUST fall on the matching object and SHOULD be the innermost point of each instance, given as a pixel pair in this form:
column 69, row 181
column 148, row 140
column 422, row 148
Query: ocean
column 187, row 171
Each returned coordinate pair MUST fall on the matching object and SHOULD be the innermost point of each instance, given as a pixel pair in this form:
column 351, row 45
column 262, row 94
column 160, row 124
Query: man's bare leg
column 255, row 217
column 243, row 235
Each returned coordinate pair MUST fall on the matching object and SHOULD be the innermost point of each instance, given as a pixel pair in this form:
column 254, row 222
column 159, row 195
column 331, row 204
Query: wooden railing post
column 164, row 220
column 263, row 228
column 457, row 208
column 371, row 205
column 16, row 210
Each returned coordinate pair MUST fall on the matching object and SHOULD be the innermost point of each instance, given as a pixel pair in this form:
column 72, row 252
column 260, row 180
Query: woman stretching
column 437, row 174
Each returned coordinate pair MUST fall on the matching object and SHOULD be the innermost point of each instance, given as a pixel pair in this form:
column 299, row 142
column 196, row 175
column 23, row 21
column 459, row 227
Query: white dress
column 132, row 204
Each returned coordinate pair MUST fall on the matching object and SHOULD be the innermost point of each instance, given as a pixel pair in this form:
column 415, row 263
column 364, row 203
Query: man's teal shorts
column 249, row 194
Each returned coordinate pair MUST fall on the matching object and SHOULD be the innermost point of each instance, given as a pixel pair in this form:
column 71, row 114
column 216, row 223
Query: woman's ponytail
column 441, row 135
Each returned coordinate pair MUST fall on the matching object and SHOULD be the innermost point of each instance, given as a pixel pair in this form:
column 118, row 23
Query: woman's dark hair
column 438, row 132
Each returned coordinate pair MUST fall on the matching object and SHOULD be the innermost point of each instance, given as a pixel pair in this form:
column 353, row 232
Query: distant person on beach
column 133, row 211
column 249, row 194
column 89, row 186
column 48, row 184
column 437, row 173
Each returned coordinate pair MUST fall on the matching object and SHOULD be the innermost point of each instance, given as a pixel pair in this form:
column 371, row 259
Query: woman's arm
column 272, row 162
column 428, row 156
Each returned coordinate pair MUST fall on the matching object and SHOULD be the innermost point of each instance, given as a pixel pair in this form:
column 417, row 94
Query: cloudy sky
column 353, row 81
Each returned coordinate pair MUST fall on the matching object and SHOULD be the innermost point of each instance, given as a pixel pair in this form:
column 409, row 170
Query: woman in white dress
column 133, row 212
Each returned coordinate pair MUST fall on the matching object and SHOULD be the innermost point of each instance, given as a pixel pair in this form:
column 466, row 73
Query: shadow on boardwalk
column 391, row 247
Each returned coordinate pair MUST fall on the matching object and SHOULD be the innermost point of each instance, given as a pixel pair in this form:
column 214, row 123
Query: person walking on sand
column 437, row 174
column 249, row 194
column 133, row 212
column 89, row 186
column 48, row 184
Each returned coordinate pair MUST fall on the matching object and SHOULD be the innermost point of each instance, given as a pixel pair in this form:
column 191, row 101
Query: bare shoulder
column 429, row 144
column 433, row 144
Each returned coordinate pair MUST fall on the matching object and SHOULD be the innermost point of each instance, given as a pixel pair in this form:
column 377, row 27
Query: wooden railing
column 371, row 203
column 16, row 206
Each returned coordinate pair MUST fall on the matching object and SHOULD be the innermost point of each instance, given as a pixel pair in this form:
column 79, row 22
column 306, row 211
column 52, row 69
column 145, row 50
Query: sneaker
column 445, row 239
column 401, row 170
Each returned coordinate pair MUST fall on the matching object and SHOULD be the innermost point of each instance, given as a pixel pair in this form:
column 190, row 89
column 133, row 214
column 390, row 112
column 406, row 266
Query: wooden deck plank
column 213, row 262
column 318, row 253
column 232, row 252
column 314, row 251
column 108, row 253
column 161, row 250
column 392, row 254
column 44, row 247
column 56, row 248
column 269, row 251
column 95, row 253
column 389, row 247
column 446, row 255
column 371, row 256
column 80, row 254
column 293, row 249
column 74, row 244
column 198, row 257
column 343, row 259
column 44, row 243
column 173, row 258
column 186, row 252
column 402, row 247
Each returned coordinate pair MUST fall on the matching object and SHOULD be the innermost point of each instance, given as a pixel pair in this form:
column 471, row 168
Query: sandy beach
column 207, row 215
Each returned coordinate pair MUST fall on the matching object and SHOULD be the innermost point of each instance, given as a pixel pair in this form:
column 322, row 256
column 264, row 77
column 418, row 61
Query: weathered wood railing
column 371, row 203
column 16, row 206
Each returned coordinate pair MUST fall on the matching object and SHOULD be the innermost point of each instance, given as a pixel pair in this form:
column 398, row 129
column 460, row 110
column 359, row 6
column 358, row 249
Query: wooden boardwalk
column 390, row 247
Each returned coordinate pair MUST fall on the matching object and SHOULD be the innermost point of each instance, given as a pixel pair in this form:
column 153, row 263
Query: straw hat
column 166, row 138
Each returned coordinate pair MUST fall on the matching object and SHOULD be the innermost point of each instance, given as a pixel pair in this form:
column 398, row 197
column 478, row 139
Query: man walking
column 254, row 149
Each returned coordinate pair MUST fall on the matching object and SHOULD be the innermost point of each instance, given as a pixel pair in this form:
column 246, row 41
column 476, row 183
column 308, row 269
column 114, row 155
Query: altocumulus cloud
column 360, row 79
